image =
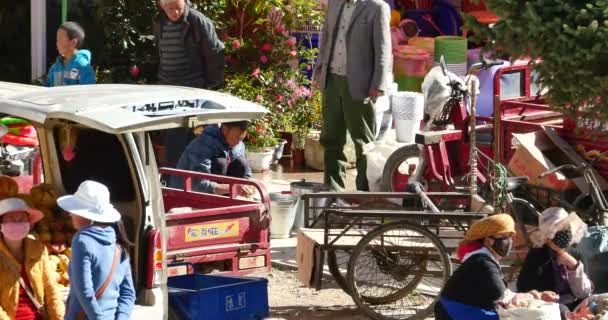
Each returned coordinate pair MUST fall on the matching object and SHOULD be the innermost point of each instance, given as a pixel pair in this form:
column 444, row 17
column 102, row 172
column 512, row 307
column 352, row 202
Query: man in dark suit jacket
column 353, row 69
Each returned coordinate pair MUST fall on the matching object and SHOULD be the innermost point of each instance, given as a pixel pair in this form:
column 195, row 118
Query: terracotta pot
column 297, row 157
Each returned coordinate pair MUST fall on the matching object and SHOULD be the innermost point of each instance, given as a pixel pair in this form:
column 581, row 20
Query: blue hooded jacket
column 92, row 257
column 76, row 71
column 199, row 153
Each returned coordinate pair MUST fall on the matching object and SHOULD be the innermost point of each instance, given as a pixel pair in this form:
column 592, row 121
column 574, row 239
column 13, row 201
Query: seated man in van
column 218, row 150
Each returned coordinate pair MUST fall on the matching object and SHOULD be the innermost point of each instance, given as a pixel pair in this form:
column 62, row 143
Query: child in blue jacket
column 73, row 66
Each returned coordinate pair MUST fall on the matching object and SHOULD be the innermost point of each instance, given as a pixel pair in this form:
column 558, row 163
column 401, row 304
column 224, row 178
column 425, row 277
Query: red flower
column 264, row 59
column 280, row 29
column 134, row 71
column 259, row 129
column 236, row 44
column 256, row 73
column 279, row 98
column 266, row 47
column 291, row 41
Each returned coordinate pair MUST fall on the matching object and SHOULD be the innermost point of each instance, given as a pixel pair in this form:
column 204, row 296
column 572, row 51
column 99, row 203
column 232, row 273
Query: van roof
column 119, row 108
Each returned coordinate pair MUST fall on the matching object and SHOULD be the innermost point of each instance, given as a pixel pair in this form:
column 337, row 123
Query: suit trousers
column 341, row 114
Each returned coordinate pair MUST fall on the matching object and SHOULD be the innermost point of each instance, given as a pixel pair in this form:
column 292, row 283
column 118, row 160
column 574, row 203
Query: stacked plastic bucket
column 408, row 111
column 427, row 44
column 411, row 65
column 454, row 52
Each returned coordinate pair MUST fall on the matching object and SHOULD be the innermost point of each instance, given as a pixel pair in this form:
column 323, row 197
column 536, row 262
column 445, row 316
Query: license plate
column 252, row 262
column 212, row 231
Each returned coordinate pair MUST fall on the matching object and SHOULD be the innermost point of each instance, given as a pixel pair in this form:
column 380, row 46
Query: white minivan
column 113, row 124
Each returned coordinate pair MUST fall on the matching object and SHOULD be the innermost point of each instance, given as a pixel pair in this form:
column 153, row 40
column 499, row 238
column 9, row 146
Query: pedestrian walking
column 101, row 285
column 353, row 70
column 190, row 54
column 73, row 65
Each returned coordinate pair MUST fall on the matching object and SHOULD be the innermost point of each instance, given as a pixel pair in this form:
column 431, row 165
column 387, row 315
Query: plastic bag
column 537, row 310
column 436, row 89
column 593, row 252
column 376, row 154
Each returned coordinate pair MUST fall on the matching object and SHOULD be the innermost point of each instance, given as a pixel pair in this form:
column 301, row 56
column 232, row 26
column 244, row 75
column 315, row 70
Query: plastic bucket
column 408, row 111
column 298, row 189
column 283, row 212
column 452, row 48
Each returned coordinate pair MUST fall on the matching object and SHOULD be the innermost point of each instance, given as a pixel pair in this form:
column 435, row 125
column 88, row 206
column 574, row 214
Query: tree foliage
column 570, row 37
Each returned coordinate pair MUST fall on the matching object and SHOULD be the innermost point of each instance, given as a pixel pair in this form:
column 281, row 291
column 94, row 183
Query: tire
column 524, row 213
column 337, row 259
column 434, row 251
column 391, row 167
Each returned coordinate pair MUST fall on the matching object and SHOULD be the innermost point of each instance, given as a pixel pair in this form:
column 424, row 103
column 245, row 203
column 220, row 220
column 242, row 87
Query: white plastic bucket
column 260, row 161
column 283, row 213
column 408, row 111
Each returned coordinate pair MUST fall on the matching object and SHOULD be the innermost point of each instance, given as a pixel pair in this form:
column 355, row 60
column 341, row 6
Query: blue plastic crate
column 205, row 297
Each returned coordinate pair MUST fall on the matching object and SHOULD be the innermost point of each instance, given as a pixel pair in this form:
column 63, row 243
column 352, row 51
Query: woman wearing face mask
column 549, row 266
column 477, row 286
column 101, row 286
column 27, row 279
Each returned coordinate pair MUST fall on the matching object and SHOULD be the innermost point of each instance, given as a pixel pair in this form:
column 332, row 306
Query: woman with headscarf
column 549, row 266
column 477, row 286
column 28, row 285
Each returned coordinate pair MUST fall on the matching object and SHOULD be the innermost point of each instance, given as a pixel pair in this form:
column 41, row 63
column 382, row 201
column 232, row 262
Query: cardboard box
column 541, row 151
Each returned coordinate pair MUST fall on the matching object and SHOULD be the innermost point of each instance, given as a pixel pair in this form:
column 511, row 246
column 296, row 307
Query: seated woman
column 475, row 288
column 27, row 280
column 549, row 266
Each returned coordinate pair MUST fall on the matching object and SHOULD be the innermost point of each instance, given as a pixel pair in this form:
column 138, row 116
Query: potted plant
column 261, row 145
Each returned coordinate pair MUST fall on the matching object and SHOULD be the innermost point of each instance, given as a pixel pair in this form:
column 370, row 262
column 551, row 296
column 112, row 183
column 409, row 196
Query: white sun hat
column 91, row 201
column 556, row 219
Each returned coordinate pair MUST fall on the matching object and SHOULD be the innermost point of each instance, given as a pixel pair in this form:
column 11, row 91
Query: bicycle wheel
column 397, row 272
column 524, row 214
column 337, row 259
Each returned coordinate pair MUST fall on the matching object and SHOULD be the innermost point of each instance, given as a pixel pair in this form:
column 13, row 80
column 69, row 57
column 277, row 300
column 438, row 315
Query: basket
column 206, row 297
column 452, row 48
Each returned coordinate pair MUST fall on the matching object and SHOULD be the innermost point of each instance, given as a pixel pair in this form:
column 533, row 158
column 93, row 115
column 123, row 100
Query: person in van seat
column 28, row 286
column 73, row 66
column 190, row 54
column 101, row 285
column 218, row 150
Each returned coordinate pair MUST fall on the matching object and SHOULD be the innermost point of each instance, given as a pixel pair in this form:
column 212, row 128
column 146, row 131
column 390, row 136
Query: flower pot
column 260, row 161
column 297, row 156
column 278, row 151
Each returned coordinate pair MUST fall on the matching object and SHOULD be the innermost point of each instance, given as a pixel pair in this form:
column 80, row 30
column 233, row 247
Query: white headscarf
column 556, row 219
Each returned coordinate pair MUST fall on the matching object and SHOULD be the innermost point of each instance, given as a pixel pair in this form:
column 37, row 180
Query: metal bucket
column 303, row 187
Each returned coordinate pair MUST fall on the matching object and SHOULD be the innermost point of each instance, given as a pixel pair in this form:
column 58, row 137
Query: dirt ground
column 290, row 301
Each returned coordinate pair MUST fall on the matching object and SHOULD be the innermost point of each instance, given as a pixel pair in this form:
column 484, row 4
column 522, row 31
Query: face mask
column 15, row 230
column 563, row 238
column 502, row 246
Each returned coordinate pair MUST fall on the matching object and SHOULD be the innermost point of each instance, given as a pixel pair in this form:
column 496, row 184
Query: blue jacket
column 199, row 153
column 92, row 257
column 77, row 71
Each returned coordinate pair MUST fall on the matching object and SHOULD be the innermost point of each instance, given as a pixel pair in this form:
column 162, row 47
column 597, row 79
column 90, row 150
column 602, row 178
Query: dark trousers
column 237, row 168
column 342, row 113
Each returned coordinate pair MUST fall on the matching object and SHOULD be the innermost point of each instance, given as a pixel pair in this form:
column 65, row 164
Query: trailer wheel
column 397, row 272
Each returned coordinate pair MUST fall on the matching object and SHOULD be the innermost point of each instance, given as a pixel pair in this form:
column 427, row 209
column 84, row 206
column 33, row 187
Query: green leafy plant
column 569, row 37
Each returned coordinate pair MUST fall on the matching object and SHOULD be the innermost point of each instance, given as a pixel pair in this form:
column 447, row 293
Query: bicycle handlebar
column 579, row 167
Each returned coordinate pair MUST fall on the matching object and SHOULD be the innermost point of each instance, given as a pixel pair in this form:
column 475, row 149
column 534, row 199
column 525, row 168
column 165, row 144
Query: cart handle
column 233, row 182
column 579, row 168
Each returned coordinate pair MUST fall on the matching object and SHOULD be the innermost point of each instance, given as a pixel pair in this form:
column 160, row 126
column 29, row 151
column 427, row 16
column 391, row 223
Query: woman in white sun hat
column 28, row 285
column 549, row 266
column 101, row 285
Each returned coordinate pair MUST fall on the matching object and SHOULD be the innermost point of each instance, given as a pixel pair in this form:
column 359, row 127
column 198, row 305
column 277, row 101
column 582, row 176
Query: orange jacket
column 41, row 276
